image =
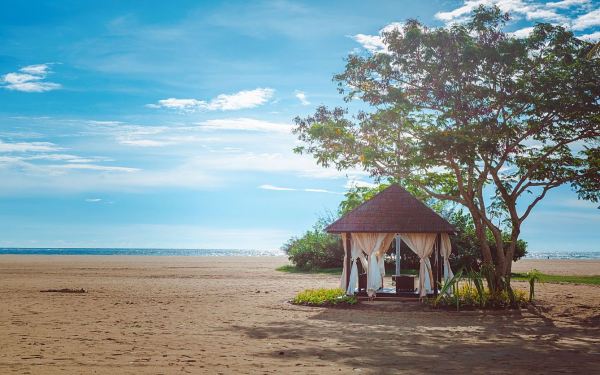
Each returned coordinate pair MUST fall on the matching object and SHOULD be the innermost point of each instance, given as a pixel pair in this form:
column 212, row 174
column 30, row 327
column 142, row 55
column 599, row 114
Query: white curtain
column 344, row 270
column 445, row 250
column 355, row 255
column 422, row 245
column 374, row 245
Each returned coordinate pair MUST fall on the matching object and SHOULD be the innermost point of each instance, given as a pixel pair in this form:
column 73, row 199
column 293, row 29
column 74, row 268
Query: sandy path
column 229, row 315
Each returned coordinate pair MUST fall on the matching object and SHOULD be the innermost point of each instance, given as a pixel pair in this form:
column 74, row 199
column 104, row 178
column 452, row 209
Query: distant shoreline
column 137, row 252
column 552, row 255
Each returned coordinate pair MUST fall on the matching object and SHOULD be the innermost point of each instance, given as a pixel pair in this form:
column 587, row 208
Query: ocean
column 562, row 254
column 531, row 254
column 137, row 251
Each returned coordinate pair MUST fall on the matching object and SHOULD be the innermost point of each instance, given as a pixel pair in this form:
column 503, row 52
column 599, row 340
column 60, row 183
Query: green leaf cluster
column 324, row 297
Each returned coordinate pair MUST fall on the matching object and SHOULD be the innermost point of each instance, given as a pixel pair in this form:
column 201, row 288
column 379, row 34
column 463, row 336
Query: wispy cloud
column 593, row 37
column 29, row 79
column 308, row 190
column 93, row 200
column 28, row 147
column 567, row 3
column 301, row 95
column 223, row 102
column 94, row 167
column 246, row 124
column 587, row 20
column 277, row 188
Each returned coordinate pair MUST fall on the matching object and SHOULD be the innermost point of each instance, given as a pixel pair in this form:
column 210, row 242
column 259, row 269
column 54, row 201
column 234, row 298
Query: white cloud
column 374, row 43
column 277, row 188
column 467, row 8
column 39, row 69
column 321, row 191
column 241, row 100
column 522, row 33
column 353, row 183
column 93, row 200
column 94, row 167
column 531, row 10
column 587, row 20
column 224, row 102
column 144, row 142
column 180, row 104
column 309, row 190
column 567, row 3
column 593, row 37
column 28, row 147
column 302, row 97
column 65, row 157
column 29, row 79
column 246, row 124
column 545, row 15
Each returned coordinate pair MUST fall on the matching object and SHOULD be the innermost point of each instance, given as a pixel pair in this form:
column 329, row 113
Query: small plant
column 533, row 276
column 468, row 291
column 451, row 284
column 324, row 297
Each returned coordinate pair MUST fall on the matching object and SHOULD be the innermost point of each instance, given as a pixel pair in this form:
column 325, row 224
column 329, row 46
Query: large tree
column 473, row 116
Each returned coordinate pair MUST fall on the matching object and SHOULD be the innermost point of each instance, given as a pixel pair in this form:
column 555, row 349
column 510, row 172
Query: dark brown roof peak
column 393, row 210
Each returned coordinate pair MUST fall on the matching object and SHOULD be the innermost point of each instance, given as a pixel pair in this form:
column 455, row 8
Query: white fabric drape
column 446, row 250
column 374, row 245
column 356, row 254
column 343, row 285
column 422, row 245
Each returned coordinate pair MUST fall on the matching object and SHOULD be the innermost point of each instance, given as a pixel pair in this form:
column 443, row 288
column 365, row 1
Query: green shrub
column 467, row 295
column 316, row 249
column 324, row 297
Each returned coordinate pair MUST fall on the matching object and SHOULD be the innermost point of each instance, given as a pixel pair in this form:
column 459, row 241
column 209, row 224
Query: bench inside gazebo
column 367, row 233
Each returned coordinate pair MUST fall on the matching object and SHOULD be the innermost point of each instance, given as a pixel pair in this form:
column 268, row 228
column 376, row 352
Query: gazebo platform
column 389, row 294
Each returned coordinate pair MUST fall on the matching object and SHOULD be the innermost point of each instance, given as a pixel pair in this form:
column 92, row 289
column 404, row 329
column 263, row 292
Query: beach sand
column 166, row 315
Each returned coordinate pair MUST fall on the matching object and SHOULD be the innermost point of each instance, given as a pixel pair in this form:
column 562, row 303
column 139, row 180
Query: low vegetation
column 324, row 297
column 294, row 269
column 466, row 290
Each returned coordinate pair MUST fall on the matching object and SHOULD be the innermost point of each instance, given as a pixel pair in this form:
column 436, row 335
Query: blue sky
column 166, row 124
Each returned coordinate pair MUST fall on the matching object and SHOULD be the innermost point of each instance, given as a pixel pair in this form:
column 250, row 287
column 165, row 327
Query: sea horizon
column 139, row 251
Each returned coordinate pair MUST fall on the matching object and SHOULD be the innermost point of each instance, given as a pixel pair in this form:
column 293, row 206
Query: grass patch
column 293, row 269
column 544, row 278
column 324, row 297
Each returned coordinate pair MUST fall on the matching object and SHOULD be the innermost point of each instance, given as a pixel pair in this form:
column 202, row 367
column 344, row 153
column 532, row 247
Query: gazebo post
column 398, row 245
column 437, row 265
column 348, row 258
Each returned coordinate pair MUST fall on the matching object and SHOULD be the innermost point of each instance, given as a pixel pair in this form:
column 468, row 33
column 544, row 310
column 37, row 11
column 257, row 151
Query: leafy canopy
column 470, row 115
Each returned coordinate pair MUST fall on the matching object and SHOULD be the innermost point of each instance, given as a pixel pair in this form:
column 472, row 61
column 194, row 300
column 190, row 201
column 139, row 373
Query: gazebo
column 368, row 231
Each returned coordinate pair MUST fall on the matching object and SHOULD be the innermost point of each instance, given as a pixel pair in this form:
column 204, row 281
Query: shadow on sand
column 407, row 337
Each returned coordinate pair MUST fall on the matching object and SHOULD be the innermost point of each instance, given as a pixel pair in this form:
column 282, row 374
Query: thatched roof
column 394, row 210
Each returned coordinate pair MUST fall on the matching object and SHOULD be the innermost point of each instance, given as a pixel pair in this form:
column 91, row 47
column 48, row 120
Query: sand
column 160, row 315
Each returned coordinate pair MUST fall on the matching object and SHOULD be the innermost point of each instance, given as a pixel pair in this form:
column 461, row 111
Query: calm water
column 564, row 254
column 160, row 252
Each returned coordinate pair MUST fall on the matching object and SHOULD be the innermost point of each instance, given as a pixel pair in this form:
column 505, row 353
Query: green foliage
column 293, row 269
column 315, row 249
column 324, row 297
column 533, row 276
column 471, row 115
column 468, row 292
